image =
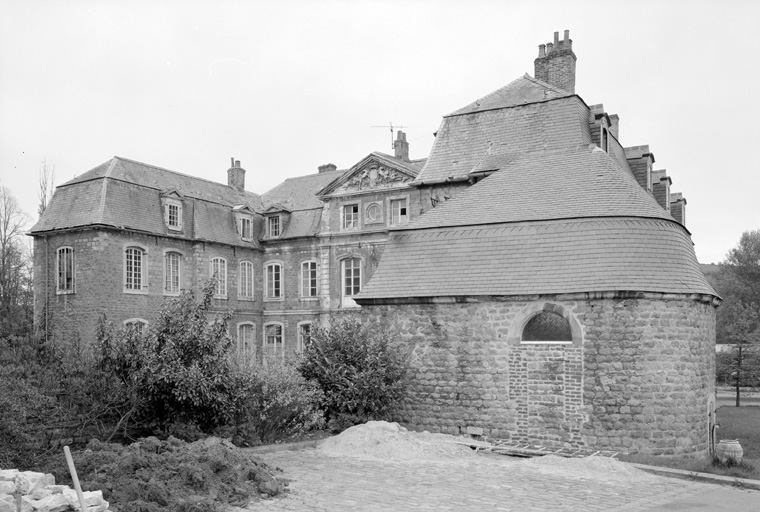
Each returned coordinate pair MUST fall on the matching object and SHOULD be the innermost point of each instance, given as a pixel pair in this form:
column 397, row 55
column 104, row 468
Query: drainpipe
column 47, row 285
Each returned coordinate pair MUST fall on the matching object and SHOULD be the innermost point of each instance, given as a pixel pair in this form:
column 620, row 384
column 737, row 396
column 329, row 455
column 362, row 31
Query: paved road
column 486, row 482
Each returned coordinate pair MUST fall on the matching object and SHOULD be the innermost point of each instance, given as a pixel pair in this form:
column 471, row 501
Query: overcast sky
column 287, row 86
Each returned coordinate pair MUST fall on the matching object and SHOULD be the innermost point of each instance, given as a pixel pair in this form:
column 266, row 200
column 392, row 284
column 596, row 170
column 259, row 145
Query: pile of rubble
column 29, row 491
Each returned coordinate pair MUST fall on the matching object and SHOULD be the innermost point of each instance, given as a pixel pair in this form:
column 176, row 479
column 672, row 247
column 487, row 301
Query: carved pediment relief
column 374, row 176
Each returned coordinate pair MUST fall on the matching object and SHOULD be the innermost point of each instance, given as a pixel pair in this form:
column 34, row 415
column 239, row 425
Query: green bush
column 360, row 370
column 279, row 404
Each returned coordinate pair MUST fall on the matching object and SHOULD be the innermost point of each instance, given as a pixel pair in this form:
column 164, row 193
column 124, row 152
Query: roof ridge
column 105, row 186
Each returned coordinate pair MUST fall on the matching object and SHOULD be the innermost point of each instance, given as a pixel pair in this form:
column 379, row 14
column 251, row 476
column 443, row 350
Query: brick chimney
column 401, row 146
column 661, row 188
column 236, row 176
column 327, row 168
column 555, row 64
column 678, row 207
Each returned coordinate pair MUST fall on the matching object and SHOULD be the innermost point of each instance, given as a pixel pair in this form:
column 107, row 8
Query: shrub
column 180, row 370
column 360, row 370
column 280, row 403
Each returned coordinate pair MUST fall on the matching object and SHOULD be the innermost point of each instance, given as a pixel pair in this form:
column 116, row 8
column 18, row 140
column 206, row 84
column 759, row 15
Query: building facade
column 539, row 270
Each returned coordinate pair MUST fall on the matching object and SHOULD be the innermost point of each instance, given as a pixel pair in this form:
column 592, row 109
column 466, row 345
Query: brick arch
column 514, row 335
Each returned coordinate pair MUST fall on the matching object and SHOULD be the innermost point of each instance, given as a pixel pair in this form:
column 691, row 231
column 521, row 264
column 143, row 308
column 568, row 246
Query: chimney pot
column 541, row 51
column 567, row 37
column 401, row 146
column 237, row 163
column 327, row 168
column 556, row 38
column 555, row 64
column 549, row 48
column 232, row 161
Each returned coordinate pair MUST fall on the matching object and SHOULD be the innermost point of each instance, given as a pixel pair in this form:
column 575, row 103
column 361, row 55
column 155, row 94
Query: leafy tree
column 738, row 318
column 360, row 370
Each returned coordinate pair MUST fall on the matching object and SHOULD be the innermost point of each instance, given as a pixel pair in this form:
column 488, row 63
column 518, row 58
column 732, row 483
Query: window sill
column 309, row 299
column 171, row 294
column 247, row 299
column 136, row 292
column 274, row 299
column 219, row 297
column 65, row 292
column 175, row 229
column 546, row 343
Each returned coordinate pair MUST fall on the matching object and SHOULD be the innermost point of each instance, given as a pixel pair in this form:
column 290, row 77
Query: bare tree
column 15, row 264
column 47, row 183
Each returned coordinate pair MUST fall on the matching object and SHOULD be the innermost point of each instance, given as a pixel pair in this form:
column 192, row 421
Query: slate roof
column 463, row 140
column 525, row 89
column 412, row 168
column 581, row 181
column 546, row 257
column 126, row 194
column 300, row 193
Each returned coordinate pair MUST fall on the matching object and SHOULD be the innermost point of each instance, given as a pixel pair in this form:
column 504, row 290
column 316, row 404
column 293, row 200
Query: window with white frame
column 245, row 225
column 309, row 279
column 173, row 214
column 304, row 335
column 351, row 216
column 273, row 341
column 273, row 226
column 219, row 275
column 273, row 284
column 351, row 274
column 245, row 280
column 65, row 273
column 137, row 324
column 398, row 211
column 172, row 263
column 245, row 343
column 135, row 269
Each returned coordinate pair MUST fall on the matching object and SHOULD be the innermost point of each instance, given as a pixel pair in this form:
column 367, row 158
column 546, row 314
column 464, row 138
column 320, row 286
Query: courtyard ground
column 394, row 470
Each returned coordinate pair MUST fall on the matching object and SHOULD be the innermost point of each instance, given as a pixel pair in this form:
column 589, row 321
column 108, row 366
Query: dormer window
column 173, row 214
column 246, row 228
column 273, row 226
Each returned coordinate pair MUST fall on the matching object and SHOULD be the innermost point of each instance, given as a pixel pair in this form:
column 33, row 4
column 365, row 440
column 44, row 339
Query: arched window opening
column 547, row 326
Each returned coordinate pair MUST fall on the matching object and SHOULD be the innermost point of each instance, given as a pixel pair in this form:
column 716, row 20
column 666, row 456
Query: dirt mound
column 598, row 468
column 153, row 475
column 380, row 440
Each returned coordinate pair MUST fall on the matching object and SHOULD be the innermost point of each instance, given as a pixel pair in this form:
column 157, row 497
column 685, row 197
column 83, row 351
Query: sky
column 290, row 85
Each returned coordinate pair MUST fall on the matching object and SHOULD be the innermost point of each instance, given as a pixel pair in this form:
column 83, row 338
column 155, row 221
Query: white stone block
column 51, row 503
column 7, row 503
column 7, row 487
column 8, row 474
column 28, row 480
column 91, row 499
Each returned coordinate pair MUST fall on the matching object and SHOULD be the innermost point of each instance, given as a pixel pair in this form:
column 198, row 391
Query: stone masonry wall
column 636, row 378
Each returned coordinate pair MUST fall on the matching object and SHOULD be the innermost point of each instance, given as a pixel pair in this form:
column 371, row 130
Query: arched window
column 547, row 326
column 137, row 324
column 135, row 269
column 172, row 262
column 273, row 281
column 304, row 335
column 219, row 274
column 245, row 280
column 309, row 279
column 246, row 347
column 273, row 341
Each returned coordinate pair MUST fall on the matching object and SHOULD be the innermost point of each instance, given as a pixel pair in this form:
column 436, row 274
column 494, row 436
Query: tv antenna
column 392, row 127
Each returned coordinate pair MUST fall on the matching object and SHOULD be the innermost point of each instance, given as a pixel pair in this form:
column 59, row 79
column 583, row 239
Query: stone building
column 540, row 271
column 124, row 236
column 556, row 298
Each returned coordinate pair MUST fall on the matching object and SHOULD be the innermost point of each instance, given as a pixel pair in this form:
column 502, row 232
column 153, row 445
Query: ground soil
column 171, row 475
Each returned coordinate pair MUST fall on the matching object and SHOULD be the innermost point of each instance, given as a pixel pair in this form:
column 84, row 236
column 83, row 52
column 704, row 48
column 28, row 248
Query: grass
column 735, row 423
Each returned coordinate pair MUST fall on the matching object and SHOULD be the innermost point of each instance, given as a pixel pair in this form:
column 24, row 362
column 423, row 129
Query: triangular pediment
column 276, row 208
column 172, row 193
column 243, row 208
column 373, row 173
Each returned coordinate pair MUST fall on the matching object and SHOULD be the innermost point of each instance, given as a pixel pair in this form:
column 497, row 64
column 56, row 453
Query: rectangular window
column 398, row 211
column 65, row 270
column 136, row 324
column 351, row 281
column 351, row 216
column 245, row 288
column 219, row 274
column 171, row 272
column 245, row 345
column 273, row 224
column 246, row 228
column 173, row 214
column 274, row 281
column 309, row 279
column 134, row 264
